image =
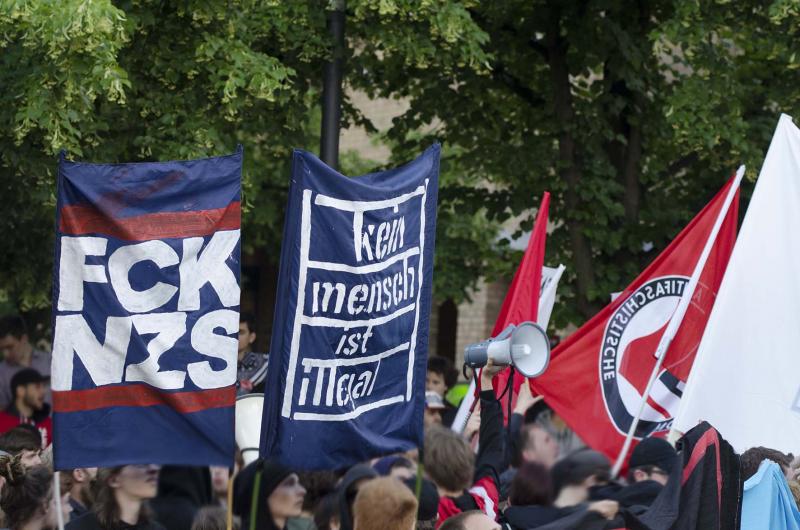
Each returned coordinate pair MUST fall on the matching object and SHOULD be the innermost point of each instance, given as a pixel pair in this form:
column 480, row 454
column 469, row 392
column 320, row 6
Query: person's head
column 211, row 518
column 318, row 484
column 279, row 496
column 219, row 481
column 247, row 332
column 752, row 458
column 531, row 485
column 27, row 495
column 395, row 466
column 23, row 440
column 352, row 481
column 434, row 405
column 471, row 520
column 78, row 482
column 14, row 343
column 123, row 485
column 449, row 460
column 441, row 375
column 326, row 514
column 652, row 459
column 384, row 504
column 428, row 509
column 28, row 388
column 578, row 472
column 536, row 445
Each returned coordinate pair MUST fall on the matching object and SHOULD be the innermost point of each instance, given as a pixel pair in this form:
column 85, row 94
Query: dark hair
column 317, row 484
column 23, row 437
column 577, row 467
column 327, row 511
column 26, row 492
column 105, row 505
column 249, row 319
column 13, row 325
column 444, row 367
column 752, row 458
column 531, row 485
column 212, row 518
column 459, row 522
column 525, row 438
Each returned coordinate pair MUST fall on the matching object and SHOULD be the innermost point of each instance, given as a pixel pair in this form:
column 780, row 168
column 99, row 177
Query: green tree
column 144, row 80
column 631, row 113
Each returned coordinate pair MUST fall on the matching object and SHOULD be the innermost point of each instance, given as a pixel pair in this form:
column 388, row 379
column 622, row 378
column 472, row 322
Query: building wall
column 476, row 318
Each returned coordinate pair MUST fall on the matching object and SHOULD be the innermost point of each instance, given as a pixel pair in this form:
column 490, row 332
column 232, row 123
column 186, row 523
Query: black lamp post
column 332, row 86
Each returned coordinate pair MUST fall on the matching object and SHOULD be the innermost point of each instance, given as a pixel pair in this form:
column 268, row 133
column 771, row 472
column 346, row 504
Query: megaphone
column 526, row 347
column 249, row 409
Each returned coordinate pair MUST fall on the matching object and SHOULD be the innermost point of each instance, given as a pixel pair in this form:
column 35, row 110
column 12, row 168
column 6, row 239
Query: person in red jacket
column 465, row 482
column 28, row 407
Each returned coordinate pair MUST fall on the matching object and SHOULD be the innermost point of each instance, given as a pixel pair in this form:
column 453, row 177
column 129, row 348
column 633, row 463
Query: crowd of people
column 531, row 473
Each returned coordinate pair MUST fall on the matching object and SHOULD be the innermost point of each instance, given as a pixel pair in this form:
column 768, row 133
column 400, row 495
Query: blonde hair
column 384, row 504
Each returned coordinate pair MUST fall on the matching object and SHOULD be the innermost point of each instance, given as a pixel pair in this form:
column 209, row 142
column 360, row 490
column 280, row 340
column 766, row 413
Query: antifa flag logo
column 627, row 358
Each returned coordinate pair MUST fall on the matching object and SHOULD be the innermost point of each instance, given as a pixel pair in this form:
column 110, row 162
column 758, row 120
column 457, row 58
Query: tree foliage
column 630, row 113
column 145, row 80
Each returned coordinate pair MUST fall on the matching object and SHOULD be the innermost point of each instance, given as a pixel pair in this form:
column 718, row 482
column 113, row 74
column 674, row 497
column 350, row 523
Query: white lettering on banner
column 73, row 270
column 119, row 267
column 380, row 295
column 168, row 327
column 205, row 341
column 393, row 274
column 105, row 361
column 211, row 268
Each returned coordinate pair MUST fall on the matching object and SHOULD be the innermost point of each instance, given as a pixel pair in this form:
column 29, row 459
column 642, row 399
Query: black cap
column 272, row 474
column 26, row 376
column 428, row 501
column 654, row 452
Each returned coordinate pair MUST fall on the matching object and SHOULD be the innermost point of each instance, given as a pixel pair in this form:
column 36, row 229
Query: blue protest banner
column 146, row 312
column 346, row 377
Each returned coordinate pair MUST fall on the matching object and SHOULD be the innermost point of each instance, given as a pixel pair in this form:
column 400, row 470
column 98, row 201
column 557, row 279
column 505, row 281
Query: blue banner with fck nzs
column 146, row 312
column 346, row 379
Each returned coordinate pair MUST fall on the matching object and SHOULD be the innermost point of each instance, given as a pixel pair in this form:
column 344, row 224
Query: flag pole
column 677, row 318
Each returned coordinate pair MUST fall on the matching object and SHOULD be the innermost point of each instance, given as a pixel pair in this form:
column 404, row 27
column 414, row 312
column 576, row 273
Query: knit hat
column 383, row 466
column 347, row 492
column 272, row 474
column 428, row 500
column 654, row 452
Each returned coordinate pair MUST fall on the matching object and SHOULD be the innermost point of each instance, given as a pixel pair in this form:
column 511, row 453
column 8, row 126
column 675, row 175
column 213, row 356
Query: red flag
column 522, row 299
column 596, row 378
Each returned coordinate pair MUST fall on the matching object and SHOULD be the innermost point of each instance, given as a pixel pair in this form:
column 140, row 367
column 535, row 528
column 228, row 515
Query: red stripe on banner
column 708, row 439
column 142, row 396
column 86, row 219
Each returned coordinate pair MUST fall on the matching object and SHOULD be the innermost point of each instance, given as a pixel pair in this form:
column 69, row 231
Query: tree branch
column 502, row 75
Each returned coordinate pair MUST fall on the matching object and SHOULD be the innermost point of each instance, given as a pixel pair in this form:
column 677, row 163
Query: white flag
column 547, row 299
column 746, row 376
